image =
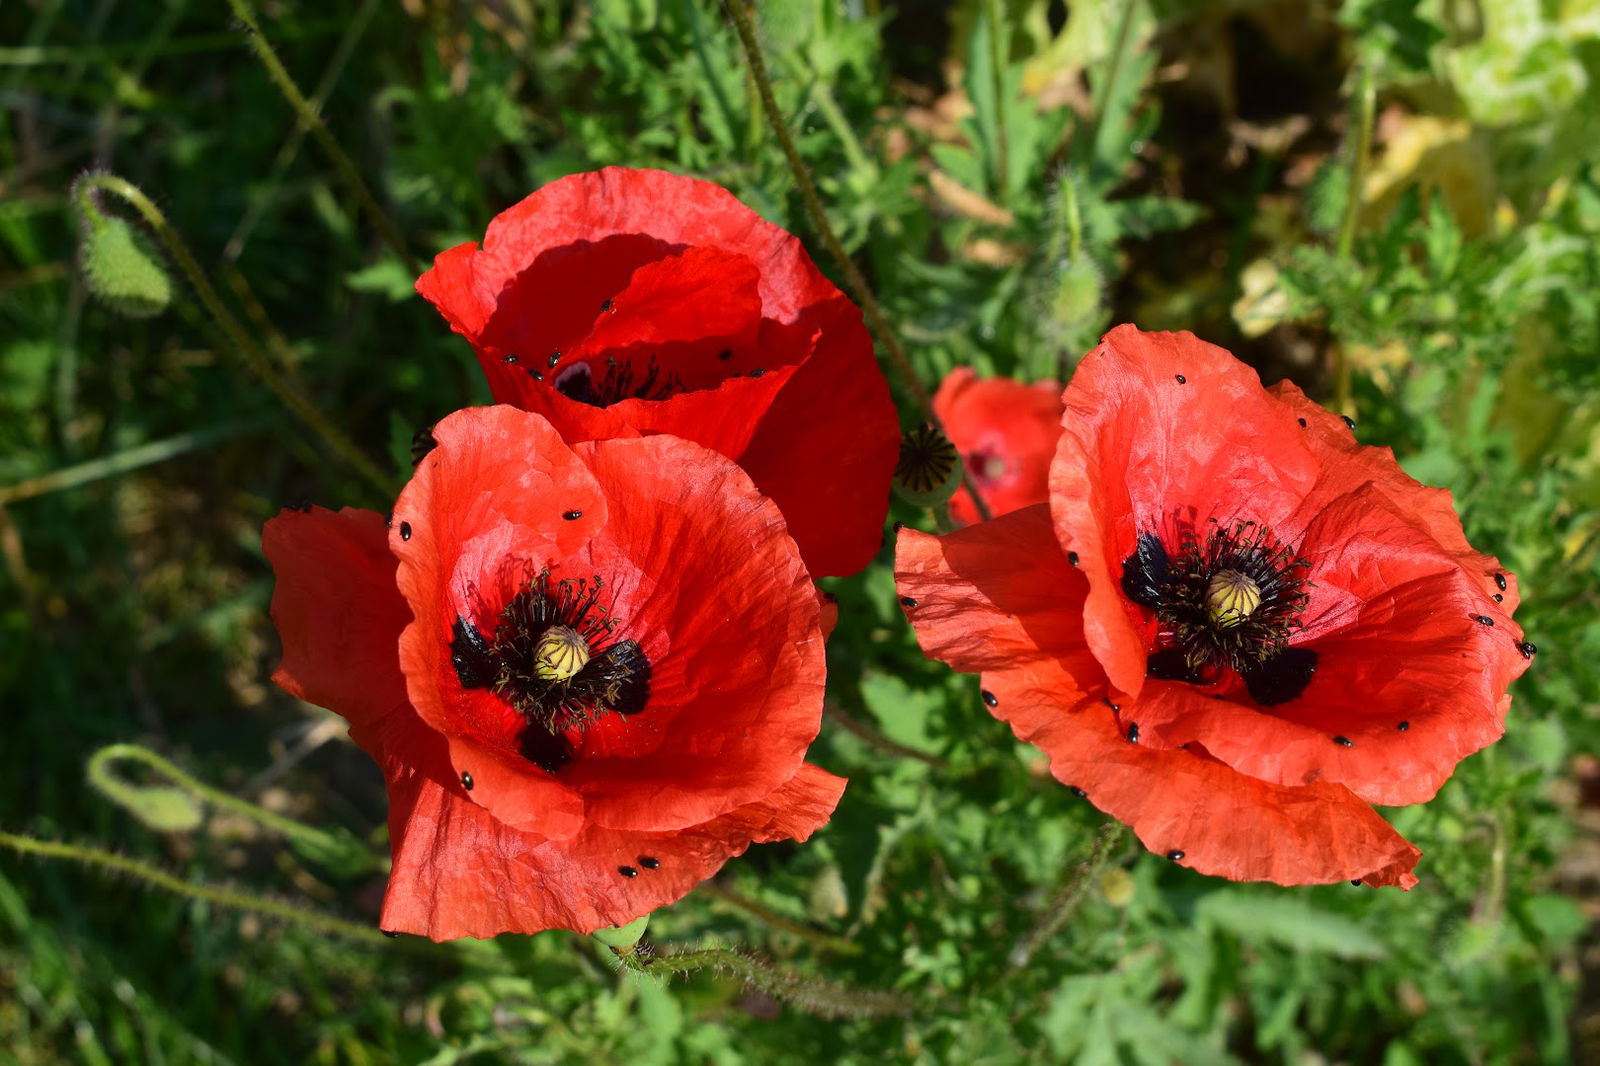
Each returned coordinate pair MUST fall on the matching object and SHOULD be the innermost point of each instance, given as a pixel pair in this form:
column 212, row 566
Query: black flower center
column 927, row 459
column 552, row 659
column 1228, row 602
column 620, row 381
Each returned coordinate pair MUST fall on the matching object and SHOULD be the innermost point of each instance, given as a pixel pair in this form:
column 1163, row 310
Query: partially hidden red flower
column 589, row 673
column 1006, row 432
column 1232, row 627
column 626, row 302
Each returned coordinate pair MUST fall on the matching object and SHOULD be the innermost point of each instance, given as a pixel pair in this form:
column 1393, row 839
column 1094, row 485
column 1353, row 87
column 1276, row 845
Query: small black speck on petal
column 1076, row 791
column 1403, row 726
column 1302, row 422
column 1175, row 854
column 390, row 933
column 990, row 699
column 555, row 357
column 510, row 359
column 1483, row 620
column 1344, row 742
column 1349, row 421
column 466, row 781
column 388, row 520
column 572, row 516
column 1500, row 582
column 537, row 375
column 1113, row 706
column 1356, row 882
column 908, row 601
column 1528, row 649
column 627, row 871
column 757, row 372
column 605, row 305
column 1498, row 598
column 829, row 596
column 725, row 354
column 649, row 862
column 405, row 530
column 1072, row 558
column 898, row 526
column 1180, row 379
column 1133, row 733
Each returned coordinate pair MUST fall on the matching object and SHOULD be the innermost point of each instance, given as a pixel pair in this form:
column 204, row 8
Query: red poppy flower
column 1232, row 627
column 589, row 673
column 1006, row 432
column 627, row 302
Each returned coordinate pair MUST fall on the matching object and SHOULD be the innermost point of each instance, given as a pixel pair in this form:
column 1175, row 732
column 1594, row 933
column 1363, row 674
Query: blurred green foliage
column 1013, row 177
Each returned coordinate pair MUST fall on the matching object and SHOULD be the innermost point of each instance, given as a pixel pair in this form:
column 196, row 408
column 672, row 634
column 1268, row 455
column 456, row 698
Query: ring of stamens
column 552, row 659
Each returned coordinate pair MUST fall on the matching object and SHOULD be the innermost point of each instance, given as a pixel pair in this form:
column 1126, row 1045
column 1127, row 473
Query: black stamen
column 1146, row 572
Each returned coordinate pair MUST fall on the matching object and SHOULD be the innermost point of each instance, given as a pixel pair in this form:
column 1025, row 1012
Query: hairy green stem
column 997, row 91
column 247, row 348
column 222, row 897
column 773, row 920
column 312, row 121
column 1119, row 49
column 1362, row 111
column 744, row 25
column 809, row 993
column 874, row 739
column 121, row 462
column 1069, row 897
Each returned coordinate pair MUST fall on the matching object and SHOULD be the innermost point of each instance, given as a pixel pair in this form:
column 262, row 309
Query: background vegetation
column 1013, row 177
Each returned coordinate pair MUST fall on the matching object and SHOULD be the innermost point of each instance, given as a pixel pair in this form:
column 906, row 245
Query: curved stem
column 1071, row 895
column 773, row 920
column 1362, row 113
column 312, row 121
column 739, row 12
column 811, row 993
column 222, row 897
column 101, row 776
column 247, row 348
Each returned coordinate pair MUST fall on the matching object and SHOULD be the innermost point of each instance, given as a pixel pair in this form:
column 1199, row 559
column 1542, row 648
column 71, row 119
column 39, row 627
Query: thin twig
column 875, row 739
column 313, row 121
column 810, row 993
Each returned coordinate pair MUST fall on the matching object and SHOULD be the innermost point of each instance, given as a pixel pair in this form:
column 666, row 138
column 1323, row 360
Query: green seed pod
column 122, row 269
column 1326, row 196
column 929, row 470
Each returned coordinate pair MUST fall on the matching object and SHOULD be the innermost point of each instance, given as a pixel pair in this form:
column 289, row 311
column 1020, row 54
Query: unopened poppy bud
column 929, row 470
column 122, row 269
column 622, row 938
column 1231, row 597
column 560, row 653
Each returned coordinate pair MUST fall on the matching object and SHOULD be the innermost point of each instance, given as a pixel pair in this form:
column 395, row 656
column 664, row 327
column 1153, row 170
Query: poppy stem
column 222, row 897
column 744, row 25
column 312, row 121
column 774, row 920
column 810, row 993
column 1071, row 895
column 1362, row 112
column 875, row 739
column 317, row 842
column 249, row 351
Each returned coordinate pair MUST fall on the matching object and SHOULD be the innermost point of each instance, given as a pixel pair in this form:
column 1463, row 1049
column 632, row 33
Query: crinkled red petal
column 459, row 872
column 998, row 598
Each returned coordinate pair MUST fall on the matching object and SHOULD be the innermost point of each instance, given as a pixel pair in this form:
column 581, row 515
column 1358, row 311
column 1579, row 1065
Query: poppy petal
column 460, row 872
column 337, row 611
column 737, row 682
column 1006, row 432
